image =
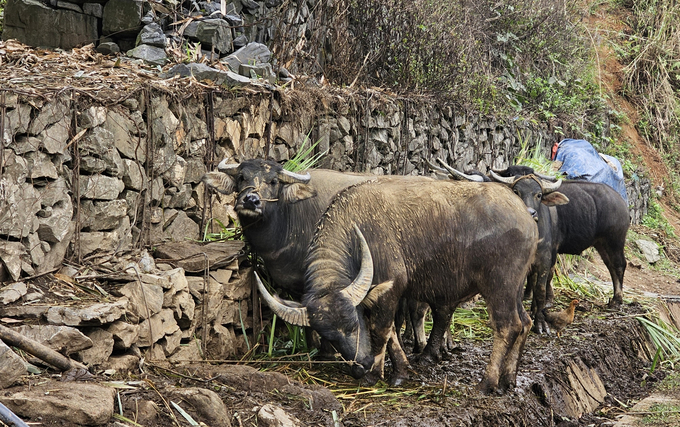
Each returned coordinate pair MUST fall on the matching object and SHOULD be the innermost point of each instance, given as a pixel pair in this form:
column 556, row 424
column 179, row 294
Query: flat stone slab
column 189, row 255
column 73, row 402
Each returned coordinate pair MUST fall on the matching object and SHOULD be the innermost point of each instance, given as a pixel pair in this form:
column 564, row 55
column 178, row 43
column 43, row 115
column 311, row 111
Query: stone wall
column 82, row 177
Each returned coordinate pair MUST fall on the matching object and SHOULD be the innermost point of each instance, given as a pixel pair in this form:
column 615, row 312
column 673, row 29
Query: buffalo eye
column 539, row 196
column 516, row 192
column 274, row 181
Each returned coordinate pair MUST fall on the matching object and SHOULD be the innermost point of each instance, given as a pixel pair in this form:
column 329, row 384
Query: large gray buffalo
column 441, row 243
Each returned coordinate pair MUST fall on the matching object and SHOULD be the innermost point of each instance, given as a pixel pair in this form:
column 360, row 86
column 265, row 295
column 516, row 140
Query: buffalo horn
column 435, row 167
column 289, row 177
column 504, row 180
column 460, row 175
column 550, row 187
column 228, row 168
column 545, row 177
column 358, row 289
column 290, row 311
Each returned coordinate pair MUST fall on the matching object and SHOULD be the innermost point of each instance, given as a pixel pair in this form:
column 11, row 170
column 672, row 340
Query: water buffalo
column 278, row 210
column 440, row 243
column 596, row 216
column 538, row 195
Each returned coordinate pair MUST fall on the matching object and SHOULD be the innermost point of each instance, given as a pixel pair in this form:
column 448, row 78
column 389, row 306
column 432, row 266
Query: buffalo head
column 337, row 313
column 258, row 182
column 533, row 191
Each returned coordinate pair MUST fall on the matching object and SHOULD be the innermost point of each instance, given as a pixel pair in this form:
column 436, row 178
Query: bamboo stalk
column 38, row 350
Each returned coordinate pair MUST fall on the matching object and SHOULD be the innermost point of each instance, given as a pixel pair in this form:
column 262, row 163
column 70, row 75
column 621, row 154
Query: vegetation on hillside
column 514, row 58
column 651, row 54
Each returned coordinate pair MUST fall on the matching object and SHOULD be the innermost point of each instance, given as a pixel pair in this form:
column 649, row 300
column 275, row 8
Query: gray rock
column 55, row 137
column 124, row 334
column 258, row 71
column 54, row 254
column 122, row 364
column 208, row 405
column 195, row 170
column 215, row 33
column 55, row 110
column 13, row 292
column 23, row 17
column 240, row 41
column 35, row 248
column 85, row 315
column 100, row 187
column 252, row 53
column 96, row 215
column 134, row 176
column 12, row 255
column 18, row 119
column 92, row 117
column 108, row 48
column 12, row 366
column 274, row 416
column 152, row 34
column 40, row 166
column 125, row 128
column 171, row 342
column 80, row 403
column 64, row 339
column 69, row 6
column 144, row 301
column 649, row 249
column 94, row 9
column 119, row 239
column 57, row 226
column 25, row 144
column 151, row 54
column 122, row 18
column 182, row 228
column 156, row 327
column 101, row 349
column 189, row 351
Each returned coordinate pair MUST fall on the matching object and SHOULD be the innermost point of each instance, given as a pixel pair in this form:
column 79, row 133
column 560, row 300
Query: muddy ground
column 596, row 371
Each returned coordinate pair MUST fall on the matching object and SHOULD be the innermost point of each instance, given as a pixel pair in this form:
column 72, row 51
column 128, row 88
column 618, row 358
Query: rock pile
column 231, row 35
column 159, row 311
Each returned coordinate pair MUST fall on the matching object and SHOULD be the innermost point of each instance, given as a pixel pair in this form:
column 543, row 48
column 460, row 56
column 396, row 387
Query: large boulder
column 58, row 27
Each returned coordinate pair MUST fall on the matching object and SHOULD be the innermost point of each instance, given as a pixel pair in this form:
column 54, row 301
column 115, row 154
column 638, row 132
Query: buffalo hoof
column 370, row 379
column 614, row 303
column 427, row 358
column 507, row 382
column 540, row 327
column 486, row 387
column 397, row 380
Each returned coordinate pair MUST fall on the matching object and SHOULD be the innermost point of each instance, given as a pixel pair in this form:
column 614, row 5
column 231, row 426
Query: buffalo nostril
column 533, row 213
column 251, row 201
column 357, row 371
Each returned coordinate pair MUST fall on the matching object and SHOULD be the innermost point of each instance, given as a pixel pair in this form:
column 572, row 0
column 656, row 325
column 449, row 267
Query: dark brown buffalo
column 278, row 210
column 440, row 243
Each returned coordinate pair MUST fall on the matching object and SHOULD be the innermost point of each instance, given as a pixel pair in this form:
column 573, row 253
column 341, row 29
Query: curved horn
column 458, row 174
column 228, row 168
column 545, row 177
column 358, row 289
column 549, row 188
column 435, row 167
column 506, row 181
column 291, row 177
column 290, row 311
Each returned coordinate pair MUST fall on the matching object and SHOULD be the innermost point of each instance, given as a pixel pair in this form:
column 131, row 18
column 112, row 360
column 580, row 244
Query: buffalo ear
column 293, row 193
column 554, row 199
column 219, row 181
column 375, row 293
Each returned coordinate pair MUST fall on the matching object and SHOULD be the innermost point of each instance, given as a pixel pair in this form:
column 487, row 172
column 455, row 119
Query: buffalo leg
column 508, row 377
column 441, row 319
column 399, row 360
column 538, row 303
column 510, row 325
column 417, row 313
column 615, row 261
